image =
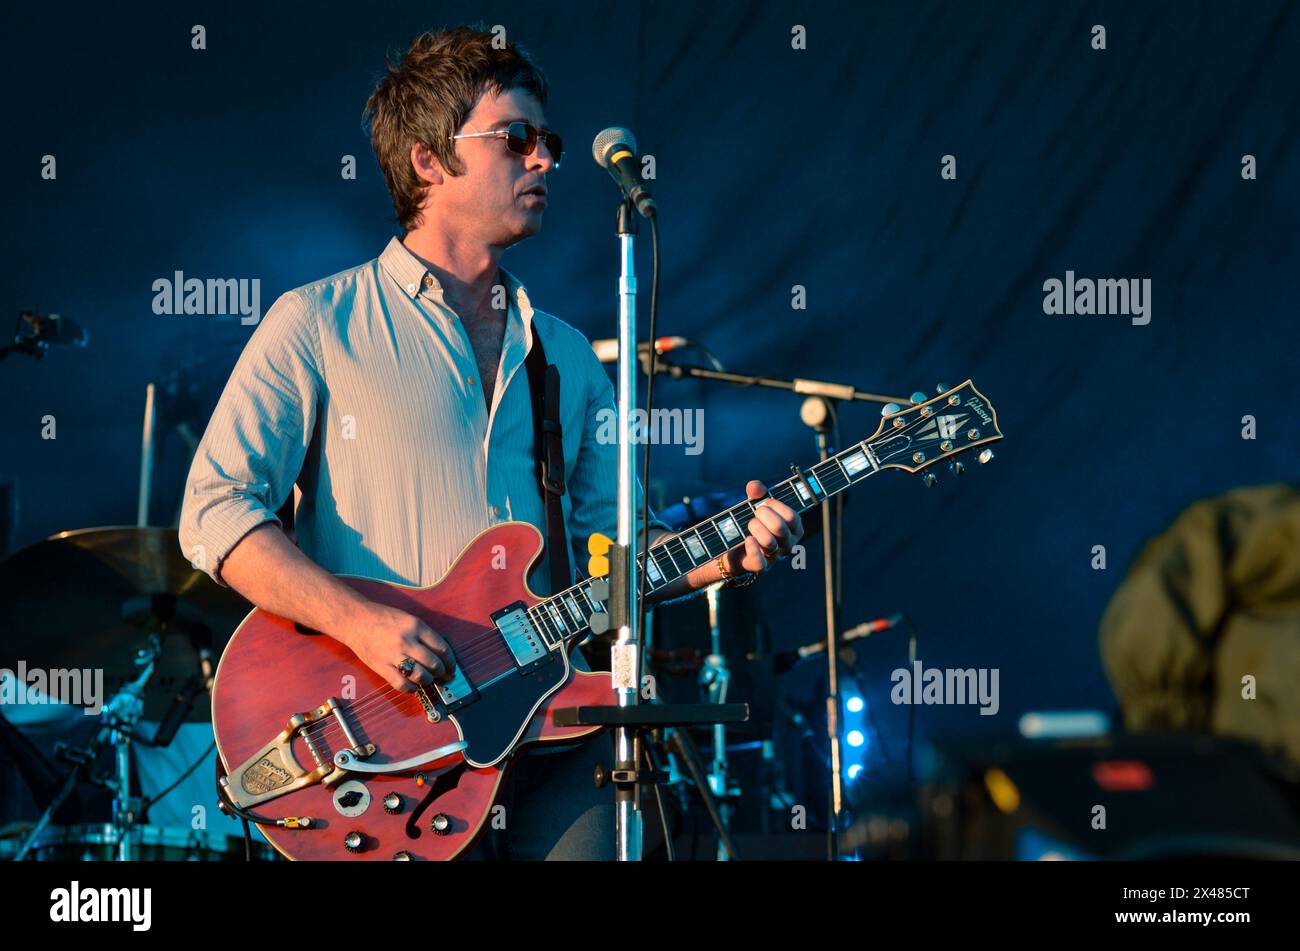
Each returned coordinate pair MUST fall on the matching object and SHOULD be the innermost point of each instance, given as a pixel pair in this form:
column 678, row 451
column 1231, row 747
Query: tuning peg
column 929, row 479
column 940, row 388
column 919, row 397
column 986, row 456
column 956, row 468
column 889, row 409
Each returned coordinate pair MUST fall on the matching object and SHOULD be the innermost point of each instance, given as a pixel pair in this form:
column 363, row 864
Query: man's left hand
column 773, row 532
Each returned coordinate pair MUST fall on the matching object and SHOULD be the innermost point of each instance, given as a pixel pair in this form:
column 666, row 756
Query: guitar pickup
column 522, row 638
column 456, row 691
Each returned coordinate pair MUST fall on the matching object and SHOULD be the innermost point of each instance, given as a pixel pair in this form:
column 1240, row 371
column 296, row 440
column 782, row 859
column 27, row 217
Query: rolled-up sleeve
column 255, row 443
column 593, row 484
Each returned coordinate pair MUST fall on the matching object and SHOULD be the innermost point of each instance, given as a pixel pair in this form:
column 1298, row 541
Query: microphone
column 607, row 348
column 788, row 659
column 615, row 151
column 867, row 628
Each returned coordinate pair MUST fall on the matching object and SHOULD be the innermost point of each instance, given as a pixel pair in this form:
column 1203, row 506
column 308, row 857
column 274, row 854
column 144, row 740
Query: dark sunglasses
column 521, row 138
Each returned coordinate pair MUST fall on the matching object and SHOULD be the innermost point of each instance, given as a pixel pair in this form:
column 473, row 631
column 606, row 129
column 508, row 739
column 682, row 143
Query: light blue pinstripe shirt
column 361, row 388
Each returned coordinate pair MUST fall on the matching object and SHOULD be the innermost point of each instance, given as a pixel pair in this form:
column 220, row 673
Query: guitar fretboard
column 568, row 614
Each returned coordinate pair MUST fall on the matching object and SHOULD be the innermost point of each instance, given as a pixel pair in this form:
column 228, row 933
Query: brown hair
column 427, row 96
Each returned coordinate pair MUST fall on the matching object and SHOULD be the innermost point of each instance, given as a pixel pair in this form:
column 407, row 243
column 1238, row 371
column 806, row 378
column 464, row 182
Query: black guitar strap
column 548, row 448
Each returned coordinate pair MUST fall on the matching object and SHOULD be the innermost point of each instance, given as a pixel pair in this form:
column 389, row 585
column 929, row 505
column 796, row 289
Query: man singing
column 394, row 396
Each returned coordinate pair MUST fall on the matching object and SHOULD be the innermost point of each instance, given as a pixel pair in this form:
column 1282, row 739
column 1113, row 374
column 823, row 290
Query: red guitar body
column 416, row 809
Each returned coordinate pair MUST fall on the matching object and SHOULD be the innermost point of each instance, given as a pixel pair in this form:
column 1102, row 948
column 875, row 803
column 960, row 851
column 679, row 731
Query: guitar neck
column 568, row 614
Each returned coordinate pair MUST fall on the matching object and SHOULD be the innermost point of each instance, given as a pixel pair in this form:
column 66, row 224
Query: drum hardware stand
column 119, row 717
column 644, row 719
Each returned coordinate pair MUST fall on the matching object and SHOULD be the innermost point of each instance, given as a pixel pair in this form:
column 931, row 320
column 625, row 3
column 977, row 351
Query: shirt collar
column 404, row 267
column 413, row 277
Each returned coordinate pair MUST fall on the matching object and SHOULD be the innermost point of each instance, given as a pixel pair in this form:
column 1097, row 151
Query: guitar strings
column 473, row 663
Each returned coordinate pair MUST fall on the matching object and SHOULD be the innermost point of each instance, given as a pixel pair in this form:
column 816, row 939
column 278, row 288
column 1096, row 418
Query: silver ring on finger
column 406, row 667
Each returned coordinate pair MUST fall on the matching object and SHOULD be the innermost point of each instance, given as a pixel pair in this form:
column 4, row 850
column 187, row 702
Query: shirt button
column 428, row 281
column 496, row 511
column 470, row 381
column 410, row 288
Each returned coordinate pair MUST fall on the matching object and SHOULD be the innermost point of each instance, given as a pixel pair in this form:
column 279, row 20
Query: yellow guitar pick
column 598, row 547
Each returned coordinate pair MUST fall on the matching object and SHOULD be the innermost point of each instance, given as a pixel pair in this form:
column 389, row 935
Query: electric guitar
column 333, row 763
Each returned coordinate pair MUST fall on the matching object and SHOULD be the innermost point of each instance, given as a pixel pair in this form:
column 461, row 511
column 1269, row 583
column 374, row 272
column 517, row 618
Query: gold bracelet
column 732, row 582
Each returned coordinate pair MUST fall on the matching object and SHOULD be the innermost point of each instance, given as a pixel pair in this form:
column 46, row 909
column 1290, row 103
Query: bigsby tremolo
column 274, row 771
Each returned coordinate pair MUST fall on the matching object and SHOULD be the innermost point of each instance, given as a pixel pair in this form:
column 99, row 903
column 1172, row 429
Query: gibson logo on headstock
column 977, row 407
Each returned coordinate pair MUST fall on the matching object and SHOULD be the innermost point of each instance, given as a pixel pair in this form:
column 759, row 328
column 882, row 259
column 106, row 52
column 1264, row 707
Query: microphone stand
column 819, row 414
column 625, row 613
column 628, row 718
column 822, row 388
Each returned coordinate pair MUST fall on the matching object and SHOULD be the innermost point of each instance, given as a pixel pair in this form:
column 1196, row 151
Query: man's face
column 488, row 203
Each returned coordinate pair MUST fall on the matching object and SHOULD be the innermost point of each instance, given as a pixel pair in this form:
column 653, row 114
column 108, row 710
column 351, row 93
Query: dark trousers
column 553, row 810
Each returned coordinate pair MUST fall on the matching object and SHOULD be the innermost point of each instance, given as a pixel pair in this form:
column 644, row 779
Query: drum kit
column 119, row 615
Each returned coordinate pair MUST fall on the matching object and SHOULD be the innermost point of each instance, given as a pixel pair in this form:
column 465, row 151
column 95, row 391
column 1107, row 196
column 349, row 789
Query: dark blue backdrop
column 776, row 167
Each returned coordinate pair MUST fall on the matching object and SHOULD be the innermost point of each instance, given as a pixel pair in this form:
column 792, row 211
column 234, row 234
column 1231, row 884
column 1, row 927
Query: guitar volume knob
column 354, row 841
column 392, row 803
column 440, row 824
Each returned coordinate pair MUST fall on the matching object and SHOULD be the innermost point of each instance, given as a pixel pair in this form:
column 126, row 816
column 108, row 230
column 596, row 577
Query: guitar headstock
column 916, row 437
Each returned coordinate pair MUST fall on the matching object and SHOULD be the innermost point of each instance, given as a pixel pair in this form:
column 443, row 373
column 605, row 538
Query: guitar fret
column 652, row 571
column 557, row 630
column 731, row 532
column 657, row 554
column 695, row 547
column 573, row 610
column 667, row 548
column 857, row 463
column 681, row 552
column 538, row 618
column 789, row 494
column 570, row 621
column 821, row 485
column 712, row 539
column 834, row 478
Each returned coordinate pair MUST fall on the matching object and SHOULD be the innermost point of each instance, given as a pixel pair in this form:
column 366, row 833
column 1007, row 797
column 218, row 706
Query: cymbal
column 88, row 599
